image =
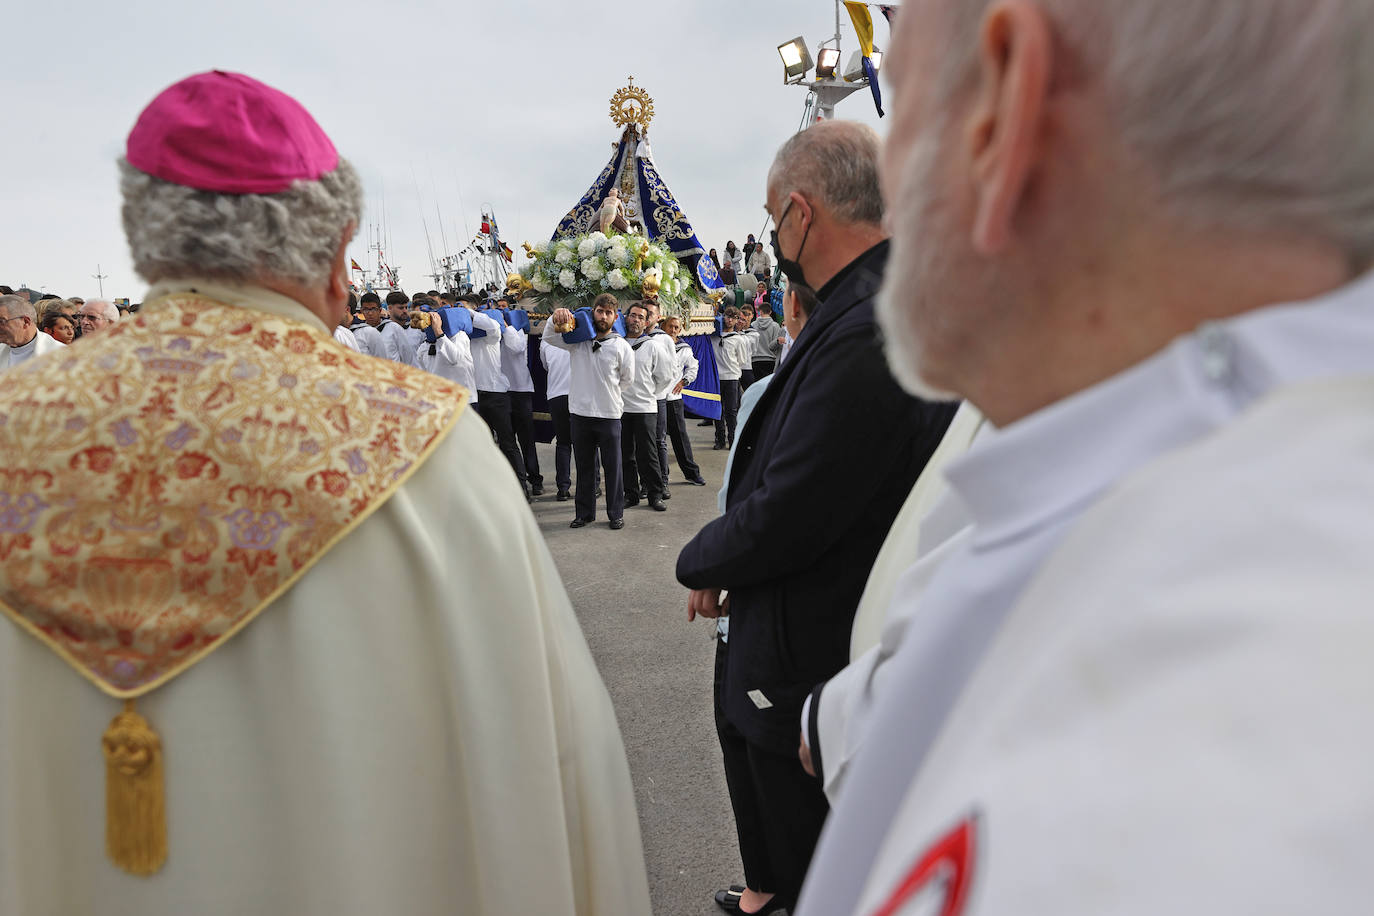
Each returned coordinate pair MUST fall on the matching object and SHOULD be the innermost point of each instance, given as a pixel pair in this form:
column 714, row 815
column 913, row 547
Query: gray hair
column 1253, row 115
column 18, row 307
column 176, row 232
column 836, row 162
column 102, row 307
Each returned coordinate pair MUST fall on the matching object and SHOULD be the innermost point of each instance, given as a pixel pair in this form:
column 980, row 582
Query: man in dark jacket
column 820, row 472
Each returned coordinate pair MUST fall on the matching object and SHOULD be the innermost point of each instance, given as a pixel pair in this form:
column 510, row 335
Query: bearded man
column 1138, row 238
column 211, row 505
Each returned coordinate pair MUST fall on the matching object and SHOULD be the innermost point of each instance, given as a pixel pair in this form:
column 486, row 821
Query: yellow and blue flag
column 863, row 25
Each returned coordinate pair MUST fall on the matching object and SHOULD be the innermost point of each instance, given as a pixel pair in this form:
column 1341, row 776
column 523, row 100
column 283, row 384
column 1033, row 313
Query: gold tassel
column 135, row 815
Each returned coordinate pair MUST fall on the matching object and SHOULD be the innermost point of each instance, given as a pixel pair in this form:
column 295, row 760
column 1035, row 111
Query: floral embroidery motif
column 160, row 484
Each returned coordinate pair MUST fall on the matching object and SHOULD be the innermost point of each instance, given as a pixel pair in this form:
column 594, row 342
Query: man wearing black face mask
column 831, row 407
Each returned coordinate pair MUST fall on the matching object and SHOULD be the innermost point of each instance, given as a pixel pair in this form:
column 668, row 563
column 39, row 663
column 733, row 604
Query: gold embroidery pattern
column 160, row 485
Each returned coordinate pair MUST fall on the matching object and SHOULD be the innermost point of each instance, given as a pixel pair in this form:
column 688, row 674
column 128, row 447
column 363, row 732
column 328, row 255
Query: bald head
column 18, row 320
column 834, row 164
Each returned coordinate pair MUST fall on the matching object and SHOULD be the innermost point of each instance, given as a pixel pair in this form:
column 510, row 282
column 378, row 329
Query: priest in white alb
column 1139, row 239
column 278, row 633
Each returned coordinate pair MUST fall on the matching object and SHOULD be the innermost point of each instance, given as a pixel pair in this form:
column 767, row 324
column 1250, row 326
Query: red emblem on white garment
column 941, row 877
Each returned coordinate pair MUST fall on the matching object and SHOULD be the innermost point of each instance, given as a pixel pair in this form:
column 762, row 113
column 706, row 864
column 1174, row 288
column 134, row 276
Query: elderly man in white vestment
column 1138, row 238
column 261, row 650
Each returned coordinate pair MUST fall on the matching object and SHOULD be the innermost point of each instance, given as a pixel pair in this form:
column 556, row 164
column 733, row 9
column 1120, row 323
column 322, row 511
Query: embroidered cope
column 181, row 470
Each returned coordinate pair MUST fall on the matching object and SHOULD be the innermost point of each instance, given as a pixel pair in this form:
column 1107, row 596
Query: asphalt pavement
column 658, row 668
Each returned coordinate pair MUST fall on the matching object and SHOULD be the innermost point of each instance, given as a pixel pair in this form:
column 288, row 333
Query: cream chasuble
column 209, row 508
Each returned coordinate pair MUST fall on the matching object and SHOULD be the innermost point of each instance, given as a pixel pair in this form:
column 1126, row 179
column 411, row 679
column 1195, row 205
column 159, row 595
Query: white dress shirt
column 1027, row 488
column 452, row 359
column 346, row 338
column 665, row 340
column 557, row 365
column 414, row 335
column 515, row 360
column 601, row 371
column 686, row 368
column 486, row 354
column 397, row 342
column 369, row 340
column 655, row 370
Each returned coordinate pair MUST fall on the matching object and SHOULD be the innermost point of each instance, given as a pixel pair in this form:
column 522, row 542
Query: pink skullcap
column 229, row 133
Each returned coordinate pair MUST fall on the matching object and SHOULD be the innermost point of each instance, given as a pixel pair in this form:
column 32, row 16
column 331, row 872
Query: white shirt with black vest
column 600, row 372
column 654, row 367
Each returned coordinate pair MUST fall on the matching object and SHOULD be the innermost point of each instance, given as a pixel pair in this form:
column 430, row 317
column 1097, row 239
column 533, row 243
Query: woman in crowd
column 58, row 320
column 59, row 327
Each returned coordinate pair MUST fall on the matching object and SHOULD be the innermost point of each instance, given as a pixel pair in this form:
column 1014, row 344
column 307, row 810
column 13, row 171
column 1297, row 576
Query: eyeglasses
column 15, row 318
column 90, row 318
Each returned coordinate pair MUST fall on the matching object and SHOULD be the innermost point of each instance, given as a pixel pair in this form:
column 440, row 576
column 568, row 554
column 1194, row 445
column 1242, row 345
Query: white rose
column 586, row 248
column 567, row 279
column 564, row 256
column 616, row 279
column 541, row 283
column 541, row 247
column 617, row 255
column 592, row 269
column 599, row 238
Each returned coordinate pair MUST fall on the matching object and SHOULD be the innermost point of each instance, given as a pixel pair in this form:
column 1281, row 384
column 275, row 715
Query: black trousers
column 639, row 455
column 522, row 419
column 494, row 408
column 591, row 435
column 682, row 446
column 779, row 810
column 763, row 368
column 746, row 378
column 729, row 411
column 562, row 437
column 661, row 431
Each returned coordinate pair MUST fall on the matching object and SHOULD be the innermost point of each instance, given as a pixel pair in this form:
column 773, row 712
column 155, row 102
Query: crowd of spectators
column 64, row 319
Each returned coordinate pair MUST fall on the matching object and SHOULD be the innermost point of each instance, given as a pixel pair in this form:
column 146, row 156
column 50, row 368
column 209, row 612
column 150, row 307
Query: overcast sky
column 442, row 106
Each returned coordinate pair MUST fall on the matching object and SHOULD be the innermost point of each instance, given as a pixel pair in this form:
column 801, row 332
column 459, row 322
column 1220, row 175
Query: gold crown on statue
column 632, row 105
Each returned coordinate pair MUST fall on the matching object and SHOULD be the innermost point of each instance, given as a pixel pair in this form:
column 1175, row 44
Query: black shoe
column 657, row 505
column 707, row 423
column 697, row 482
column 666, row 494
column 643, row 492
column 719, row 447
column 564, row 496
column 631, row 501
column 580, row 523
column 537, row 489
column 728, row 900
column 597, row 494
column 617, row 524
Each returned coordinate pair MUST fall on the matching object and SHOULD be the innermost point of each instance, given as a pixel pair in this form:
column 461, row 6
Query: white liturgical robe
column 1137, row 688
column 444, row 747
column 40, row 345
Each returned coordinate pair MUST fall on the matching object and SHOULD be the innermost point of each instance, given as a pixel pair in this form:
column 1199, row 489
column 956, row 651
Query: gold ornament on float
column 632, row 105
